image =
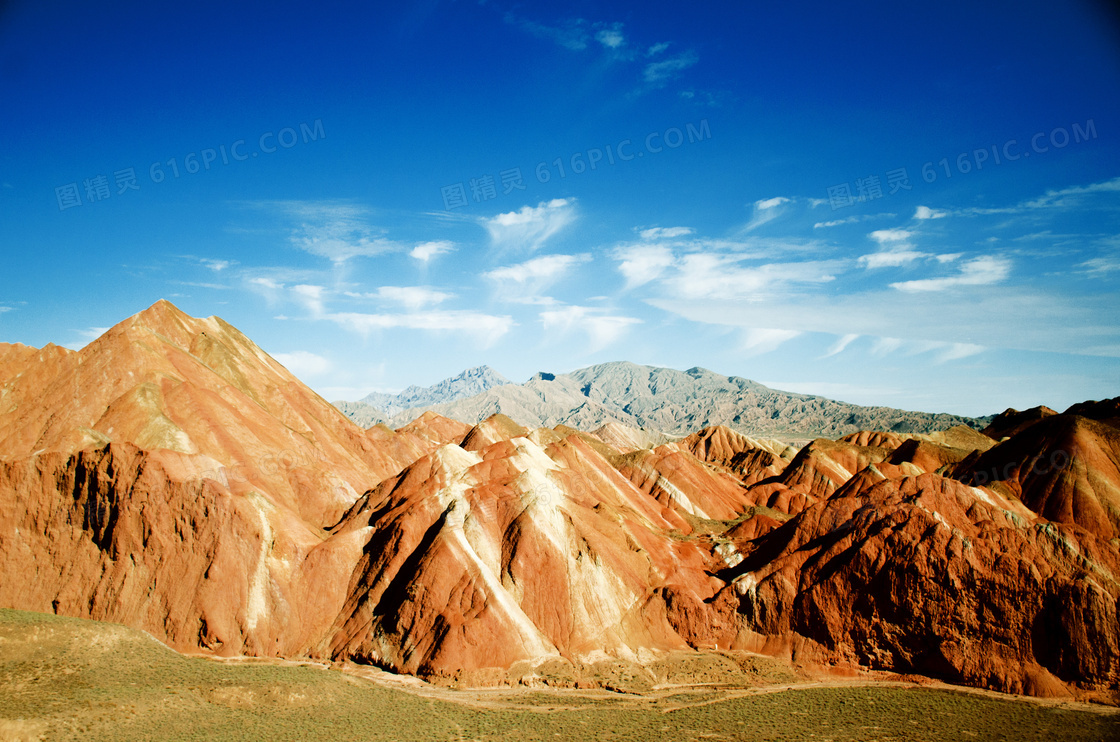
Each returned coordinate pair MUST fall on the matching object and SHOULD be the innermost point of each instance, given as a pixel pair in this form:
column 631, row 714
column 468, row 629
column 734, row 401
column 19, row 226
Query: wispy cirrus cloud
column 852, row 220
column 1070, row 196
column 528, row 282
column 659, row 73
column 706, row 275
column 1054, row 200
column 341, row 231
column 571, row 34
column 310, row 296
column 840, row 345
column 336, row 231
column 981, row 271
column 528, row 228
column 1101, row 267
column 765, row 210
column 410, row 297
column 217, row 265
column 664, row 233
column 759, row 340
column 485, row 328
column 581, row 35
column 602, row 329
column 964, row 291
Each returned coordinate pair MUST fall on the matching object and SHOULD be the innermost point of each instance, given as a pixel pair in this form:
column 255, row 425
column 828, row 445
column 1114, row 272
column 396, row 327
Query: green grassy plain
column 63, row 678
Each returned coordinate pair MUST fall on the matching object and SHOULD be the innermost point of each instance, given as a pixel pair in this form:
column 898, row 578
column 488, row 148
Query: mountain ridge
column 670, row 402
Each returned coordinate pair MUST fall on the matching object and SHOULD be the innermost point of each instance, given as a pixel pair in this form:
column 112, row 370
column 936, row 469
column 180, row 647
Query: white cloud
column 572, row 35
column 641, row 264
column 526, row 282
column 531, row 226
column 485, row 327
column 1101, row 266
column 841, row 344
column 657, row 49
column 850, row 219
column 885, row 236
column 611, row 38
column 896, row 250
column 659, row 233
column 769, row 203
column 428, row 250
column 885, row 345
column 948, row 257
column 766, row 210
column 757, row 341
column 889, row 259
column 339, row 231
column 713, row 276
column 982, row 271
column 266, row 283
column 1066, row 196
column 925, row 212
column 836, row 222
column 956, row 351
column 302, row 363
column 310, row 296
column 602, row 330
column 333, row 230
column 5, row 309
column 412, row 297
column 657, row 72
column 1023, row 318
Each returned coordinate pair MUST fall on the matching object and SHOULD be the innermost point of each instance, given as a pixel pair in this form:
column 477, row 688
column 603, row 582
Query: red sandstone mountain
column 173, row 477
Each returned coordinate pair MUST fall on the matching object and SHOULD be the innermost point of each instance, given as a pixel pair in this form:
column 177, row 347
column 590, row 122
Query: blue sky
column 912, row 206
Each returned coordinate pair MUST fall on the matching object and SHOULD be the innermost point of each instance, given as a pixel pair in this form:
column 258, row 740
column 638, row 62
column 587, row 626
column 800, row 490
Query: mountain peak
column 162, row 310
column 467, row 383
column 483, row 372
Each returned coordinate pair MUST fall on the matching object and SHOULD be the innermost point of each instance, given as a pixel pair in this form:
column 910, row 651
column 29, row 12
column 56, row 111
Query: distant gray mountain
column 675, row 403
column 379, row 407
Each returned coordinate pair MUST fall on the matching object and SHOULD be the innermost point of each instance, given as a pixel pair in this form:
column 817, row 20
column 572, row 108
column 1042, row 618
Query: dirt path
column 668, row 698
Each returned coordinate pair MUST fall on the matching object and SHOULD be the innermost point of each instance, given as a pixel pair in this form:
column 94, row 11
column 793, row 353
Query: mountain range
column 173, row 477
column 659, row 400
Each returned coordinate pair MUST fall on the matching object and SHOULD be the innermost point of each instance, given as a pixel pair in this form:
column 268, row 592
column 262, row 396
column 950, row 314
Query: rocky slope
column 144, row 480
column 676, row 403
